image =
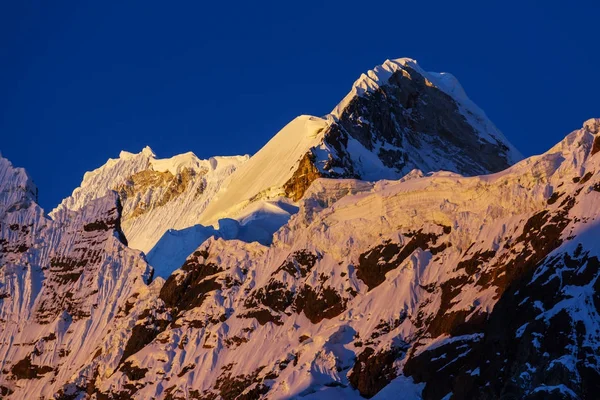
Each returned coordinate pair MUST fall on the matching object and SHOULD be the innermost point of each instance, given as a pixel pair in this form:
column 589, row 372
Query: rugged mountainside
column 441, row 286
column 429, row 286
column 396, row 118
column 62, row 282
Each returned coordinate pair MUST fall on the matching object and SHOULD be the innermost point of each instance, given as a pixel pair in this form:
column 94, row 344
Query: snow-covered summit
column 146, row 151
column 373, row 79
column 592, row 125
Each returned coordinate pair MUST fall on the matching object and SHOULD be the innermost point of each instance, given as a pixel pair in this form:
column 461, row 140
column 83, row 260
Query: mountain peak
column 390, row 263
column 15, row 184
column 592, row 125
column 398, row 72
column 396, row 118
column 146, row 152
column 372, row 80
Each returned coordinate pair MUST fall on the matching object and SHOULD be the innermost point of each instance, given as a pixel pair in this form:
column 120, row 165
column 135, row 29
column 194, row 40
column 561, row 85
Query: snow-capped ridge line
column 15, row 183
column 128, row 163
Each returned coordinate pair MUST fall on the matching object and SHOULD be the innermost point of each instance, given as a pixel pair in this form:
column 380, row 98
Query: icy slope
column 430, row 287
column 263, row 176
column 15, row 185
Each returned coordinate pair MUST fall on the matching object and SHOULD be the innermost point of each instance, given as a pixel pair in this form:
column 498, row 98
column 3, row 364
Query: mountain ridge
column 433, row 284
column 426, row 122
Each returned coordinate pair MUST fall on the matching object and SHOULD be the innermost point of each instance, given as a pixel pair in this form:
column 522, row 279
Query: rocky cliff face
column 432, row 287
column 410, row 122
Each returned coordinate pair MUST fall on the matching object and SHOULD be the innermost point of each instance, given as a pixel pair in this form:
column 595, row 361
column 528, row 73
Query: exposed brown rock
column 262, row 316
column 304, row 175
column 5, row 391
column 299, row 263
column 187, row 290
column 596, row 145
column 142, row 181
column 25, row 369
column 373, row 371
column 247, row 387
column 441, row 366
column 142, row 334
column 133, row 372
column 185, row 369
column 554, row 198
column 235, row 341
column 586, row 177
column 324, row 303
column 375, row 263
column 472, row 265
column 275, row 295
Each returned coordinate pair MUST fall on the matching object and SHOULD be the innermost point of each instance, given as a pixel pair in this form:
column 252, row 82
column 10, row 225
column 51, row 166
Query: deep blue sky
column 80, row 82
